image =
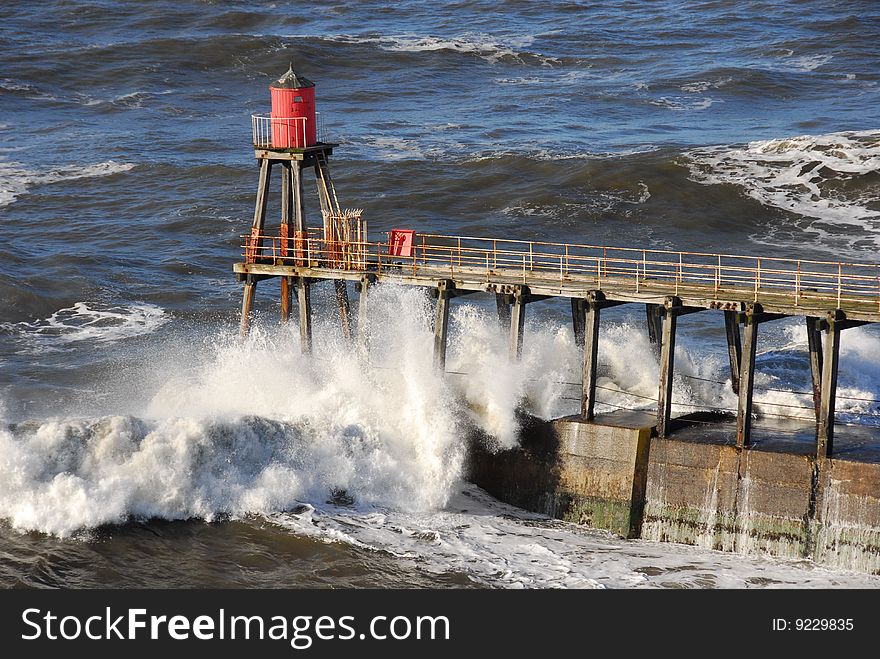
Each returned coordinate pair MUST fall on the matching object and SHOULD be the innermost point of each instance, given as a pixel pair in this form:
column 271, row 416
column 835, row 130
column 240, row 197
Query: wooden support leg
column 441, row 328
column 247, row 305
column 298, row 203
column 517, row 323
column 362, row 315
column 286, row 289
column 654, row 317
column 825, row 432
column 304, row 297
column 578, row 314
column 262, row 194
column 344, row 307
column 734, row 347
column 591, row 353
column 746, row 382
column 667, row 364
column 286, row 205
column 502, row 303
column 814, row 342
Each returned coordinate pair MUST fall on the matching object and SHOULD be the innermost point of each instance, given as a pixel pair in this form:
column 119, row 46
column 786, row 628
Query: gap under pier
column 700, row 488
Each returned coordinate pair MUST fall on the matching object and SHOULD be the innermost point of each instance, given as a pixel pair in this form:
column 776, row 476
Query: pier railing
column 638, row 270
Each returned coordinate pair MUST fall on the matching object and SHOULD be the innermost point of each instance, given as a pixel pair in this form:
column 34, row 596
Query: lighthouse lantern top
column 291, row 80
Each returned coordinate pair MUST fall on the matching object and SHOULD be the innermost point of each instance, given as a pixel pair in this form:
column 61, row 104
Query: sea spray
column 218, row 426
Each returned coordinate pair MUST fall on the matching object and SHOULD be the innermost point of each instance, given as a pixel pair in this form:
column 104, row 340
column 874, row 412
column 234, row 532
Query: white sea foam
column 605, row 201
column 31, row 92
column 484, row 46
column 502, row 546
column 798, row 174
column 808, row 62
column 557, row 77
column 133, row 99
column 685, row 103
column 705, row 85
column 15, row 179
column 91, row 322
column 396, row 148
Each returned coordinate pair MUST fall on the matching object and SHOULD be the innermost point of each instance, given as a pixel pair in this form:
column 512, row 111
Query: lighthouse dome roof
column 291, row 80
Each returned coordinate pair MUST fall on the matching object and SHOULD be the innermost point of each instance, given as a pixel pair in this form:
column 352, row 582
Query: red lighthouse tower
column 294, row 120
column 289, row 139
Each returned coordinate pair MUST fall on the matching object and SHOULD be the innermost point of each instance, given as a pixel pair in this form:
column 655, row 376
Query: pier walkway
column 750, row 290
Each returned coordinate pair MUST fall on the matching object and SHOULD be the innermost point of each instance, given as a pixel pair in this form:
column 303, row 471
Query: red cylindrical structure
column 294, row 122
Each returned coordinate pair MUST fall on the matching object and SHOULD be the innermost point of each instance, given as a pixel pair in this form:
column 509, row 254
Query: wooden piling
column 825, row 426
column 304, row 298
column 517, row 322
column 262, row 194
column 286, row 214
column 247, row 305
column 286, row 290
column 286, row 206
column 667, row 364
column 747, row 378
column 259, row 222
column 578, row 319
column 299, row 204
column 362, row 315
column 502, row 304
column 591, row 354
column 441, row 326
column 734, row 347
column 653, row 316
column 814, row 343
column 344, row 307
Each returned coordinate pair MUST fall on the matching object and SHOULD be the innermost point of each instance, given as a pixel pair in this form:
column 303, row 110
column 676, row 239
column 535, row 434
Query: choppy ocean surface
column 142, row 444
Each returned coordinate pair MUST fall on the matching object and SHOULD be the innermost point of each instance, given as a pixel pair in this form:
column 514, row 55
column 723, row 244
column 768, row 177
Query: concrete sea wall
column 614, row 473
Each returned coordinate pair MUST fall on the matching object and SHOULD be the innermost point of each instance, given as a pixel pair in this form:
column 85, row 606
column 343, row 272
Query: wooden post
column 362, row 315
column 299, row 206
column 247, row 305
column 653, row 315
column 262, row 194
column 286, row 290
column 591, row 353
column 285, row 193
column 734, row 347
column 814, row 342
column 502, row 304
column 578, row 319
column 329, row 203
column 747, row 379
column 305, row 314
column 667, row 364
column 344, row 307
column 517, row 322
column 441, row 326
column 286, row 207
column 250, row 285
column 825, row 427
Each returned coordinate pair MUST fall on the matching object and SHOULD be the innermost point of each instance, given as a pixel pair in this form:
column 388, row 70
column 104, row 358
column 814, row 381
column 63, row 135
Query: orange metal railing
column 514, row 261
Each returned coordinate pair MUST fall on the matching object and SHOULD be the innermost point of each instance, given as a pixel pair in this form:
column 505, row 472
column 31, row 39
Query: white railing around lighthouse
column 283, row 132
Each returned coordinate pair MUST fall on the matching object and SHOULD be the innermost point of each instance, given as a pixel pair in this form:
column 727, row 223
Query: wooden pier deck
column 790, row 287
column 831, row 296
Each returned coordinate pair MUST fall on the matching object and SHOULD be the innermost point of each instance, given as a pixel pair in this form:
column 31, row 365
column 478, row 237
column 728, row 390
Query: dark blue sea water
column 127, row 178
